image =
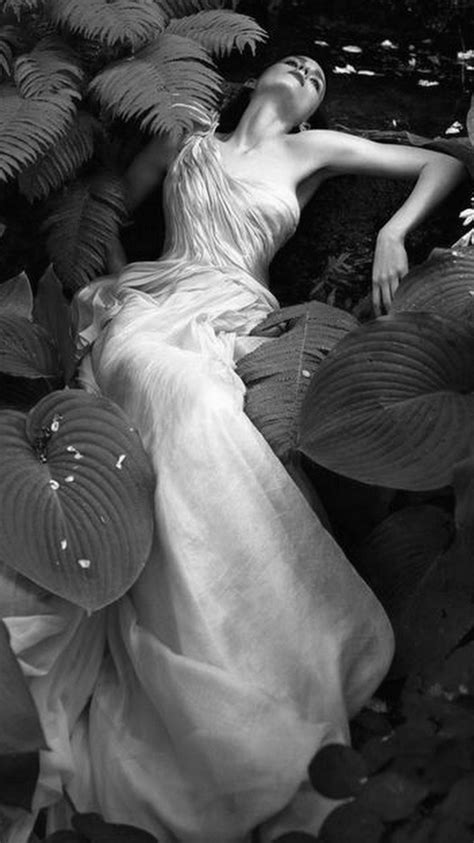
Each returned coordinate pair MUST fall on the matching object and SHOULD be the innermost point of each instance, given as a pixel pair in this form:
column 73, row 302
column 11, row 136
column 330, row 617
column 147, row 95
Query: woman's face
column 302, row 81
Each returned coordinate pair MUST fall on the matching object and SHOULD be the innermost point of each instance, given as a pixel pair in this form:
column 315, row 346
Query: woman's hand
column 389, row 266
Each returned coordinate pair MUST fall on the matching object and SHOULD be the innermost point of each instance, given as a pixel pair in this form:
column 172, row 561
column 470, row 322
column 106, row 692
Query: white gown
column 249, row 639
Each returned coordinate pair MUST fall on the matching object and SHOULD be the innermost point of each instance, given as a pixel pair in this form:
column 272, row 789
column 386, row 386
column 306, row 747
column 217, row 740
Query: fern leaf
column 219, row 31
column 19, row 6
column 132, row 22
column 29, row 127
column 48, row 68
column 179, row 8
column 277, row 374
column 10, row 39
column 61, row 161
column 164, row 86
column 81, row 224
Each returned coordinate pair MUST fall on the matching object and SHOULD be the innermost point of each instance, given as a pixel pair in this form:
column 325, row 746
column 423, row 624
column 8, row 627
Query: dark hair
column 235, row 104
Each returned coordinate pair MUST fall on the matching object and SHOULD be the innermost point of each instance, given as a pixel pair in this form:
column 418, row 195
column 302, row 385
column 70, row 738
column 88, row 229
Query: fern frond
column 10, row 39
column 278, row 373
column 19, row 6
column 164, row 86
column 132, row 22
column 83, row 221
column 219, row 31
column 50, row 67
column 29, row 127
column 178, row 8
column 61, row 161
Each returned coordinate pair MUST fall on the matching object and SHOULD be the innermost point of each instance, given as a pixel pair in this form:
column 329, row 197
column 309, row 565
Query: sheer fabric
column 249, row 639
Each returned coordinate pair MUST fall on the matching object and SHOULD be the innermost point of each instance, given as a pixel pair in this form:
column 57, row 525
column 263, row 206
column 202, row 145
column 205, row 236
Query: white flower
column 367, row 73
column 427, row 83
column 467, row 216
column 466, row 55
column 347, row 69
column 454, row 128
column 351, row 48
column 388, row 45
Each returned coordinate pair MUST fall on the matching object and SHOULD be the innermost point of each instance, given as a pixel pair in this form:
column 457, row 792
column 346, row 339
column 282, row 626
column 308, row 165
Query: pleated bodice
column 216, row 219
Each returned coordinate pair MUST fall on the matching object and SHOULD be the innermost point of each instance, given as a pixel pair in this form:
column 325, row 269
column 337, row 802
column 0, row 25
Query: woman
column 248, row 640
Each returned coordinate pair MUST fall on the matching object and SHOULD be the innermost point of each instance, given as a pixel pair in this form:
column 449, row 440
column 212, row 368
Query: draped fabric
column 248, row 639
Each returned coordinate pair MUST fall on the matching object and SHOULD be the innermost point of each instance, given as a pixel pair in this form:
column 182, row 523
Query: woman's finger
column 376, row 300
column 386, row 296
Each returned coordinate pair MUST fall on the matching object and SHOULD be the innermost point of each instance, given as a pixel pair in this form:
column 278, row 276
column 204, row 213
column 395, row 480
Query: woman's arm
column 436, row 174
column 145, row 174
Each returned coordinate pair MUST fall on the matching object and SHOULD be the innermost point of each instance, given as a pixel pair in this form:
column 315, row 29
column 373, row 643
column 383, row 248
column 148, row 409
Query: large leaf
column 26, row 349
column 61, row 161
column 165, row 86
column 76, row 497
column 18, row 7
column 49, row 68
column 443, row 284
column 132, row 22
column 181, row 8
column 82, row 222
column 219, row 31
column 20, row 729
column 16, row 297
column 278, row 373
column 29, row 127
column 53, row 313
column 399, row 551
column 392, row 404
column 11, row 39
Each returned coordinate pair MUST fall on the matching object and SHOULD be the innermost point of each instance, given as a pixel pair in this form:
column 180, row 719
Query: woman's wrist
column 393, row 232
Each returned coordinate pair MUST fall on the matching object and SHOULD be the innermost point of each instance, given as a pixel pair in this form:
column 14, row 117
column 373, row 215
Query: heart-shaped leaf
column 16, row 297
column 20, row 729
column 76, row 497
column 443, row 284
column 337, row 771
column 397, row 553
column 278, row 373
column 392, row 405
column 52, row 311
column 26, row 349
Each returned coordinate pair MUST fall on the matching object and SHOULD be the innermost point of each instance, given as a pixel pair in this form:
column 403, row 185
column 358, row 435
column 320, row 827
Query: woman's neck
column 261, row 121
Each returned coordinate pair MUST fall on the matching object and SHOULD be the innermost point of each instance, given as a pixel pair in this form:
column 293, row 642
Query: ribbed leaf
column 277, row 374
column 10, row 39
column 20, row 729
column 16, row 297
column 443, row 284
column 180, row 8
column 49, row 68
column 133, row 22
column 437, row 615
column 29, row 127
column 399, row 551
column 164, row 86
column 391, row 404
column 470, row 121
column 61, row 161
column 53, row 313
column 26, row 350
column 219, row 31
column 81, row 224
column 76, row 497
column 20, row 6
